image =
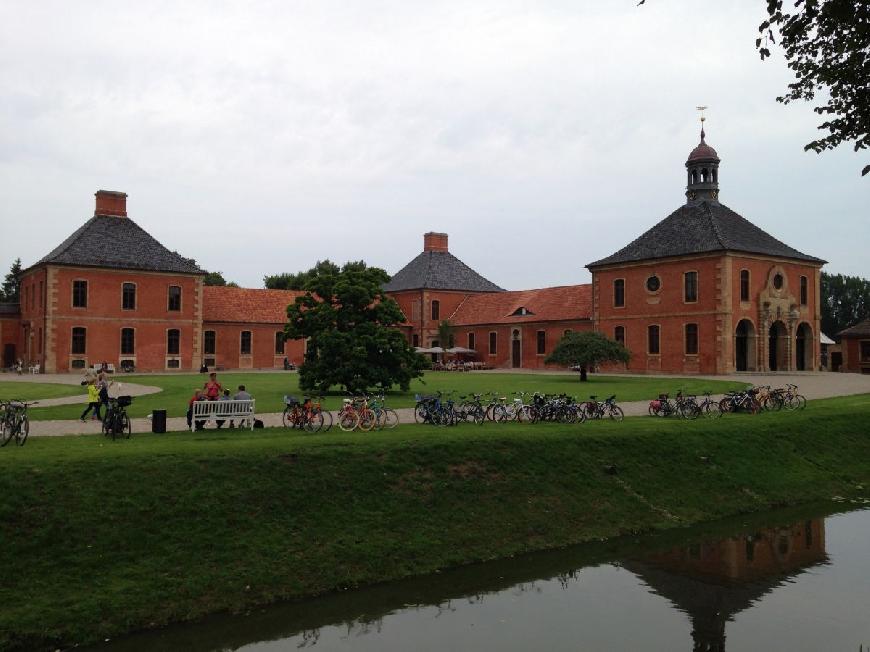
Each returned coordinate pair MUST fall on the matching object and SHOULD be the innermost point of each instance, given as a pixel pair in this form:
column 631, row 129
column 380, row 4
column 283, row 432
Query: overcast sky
column 259, row 137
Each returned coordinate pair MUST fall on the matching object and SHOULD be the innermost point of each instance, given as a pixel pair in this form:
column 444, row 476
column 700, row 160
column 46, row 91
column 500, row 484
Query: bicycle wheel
column 795, row 402
column 712, row 410
column 348, row 421
column 126, row 425
column 314, row 422
column 421, row 414
column 616, row 413
column 478, row 415
column 5, row 432
column 367, row 420
column 327, row 420
column 23, row 431
column 287, row 418
column 725, row 405
column 690, row 411
column 390, row 418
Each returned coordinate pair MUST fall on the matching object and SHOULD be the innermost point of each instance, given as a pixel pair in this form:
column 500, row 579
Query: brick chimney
column 435, row 241
column 111, row 202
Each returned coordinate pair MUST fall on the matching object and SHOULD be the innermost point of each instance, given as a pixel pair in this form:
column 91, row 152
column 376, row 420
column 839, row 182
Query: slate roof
column 439, row 270
column 10, row 309
column 568, row 302
column 228, row 304
column 861, row 329
column 118, row 243
column 701, row 228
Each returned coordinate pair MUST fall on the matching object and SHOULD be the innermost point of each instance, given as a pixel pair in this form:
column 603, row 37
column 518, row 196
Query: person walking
column 93, row 402
column 103, row 384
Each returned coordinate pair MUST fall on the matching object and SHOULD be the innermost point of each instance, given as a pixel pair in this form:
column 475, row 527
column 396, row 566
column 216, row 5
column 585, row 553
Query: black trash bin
column 158, row 421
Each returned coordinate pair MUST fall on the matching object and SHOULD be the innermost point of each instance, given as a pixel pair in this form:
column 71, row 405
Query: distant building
column 702, row 291
column 855, row 347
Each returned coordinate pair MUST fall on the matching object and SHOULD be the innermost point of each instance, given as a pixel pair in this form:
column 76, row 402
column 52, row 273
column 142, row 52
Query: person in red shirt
column 212, row 388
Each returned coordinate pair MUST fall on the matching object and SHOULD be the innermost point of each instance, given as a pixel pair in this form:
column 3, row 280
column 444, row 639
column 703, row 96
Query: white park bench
column 233, row 410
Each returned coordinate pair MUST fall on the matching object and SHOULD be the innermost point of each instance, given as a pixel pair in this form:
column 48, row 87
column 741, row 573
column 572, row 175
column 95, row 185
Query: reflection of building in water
column 712, row 582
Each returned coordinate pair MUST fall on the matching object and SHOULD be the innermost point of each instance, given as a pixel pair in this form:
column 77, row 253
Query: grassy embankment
column 102, row 537
column 270, row 388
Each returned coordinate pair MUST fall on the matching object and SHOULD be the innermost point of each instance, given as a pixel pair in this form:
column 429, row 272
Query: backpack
column 258, row 424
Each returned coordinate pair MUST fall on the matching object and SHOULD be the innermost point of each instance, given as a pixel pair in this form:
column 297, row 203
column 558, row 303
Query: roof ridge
column 64, row 246
column 715, row 226
column 462, row 303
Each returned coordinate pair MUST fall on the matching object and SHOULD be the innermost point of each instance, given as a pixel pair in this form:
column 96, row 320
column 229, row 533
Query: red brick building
column 855, row 348
column 702, row 291
column 707, row 291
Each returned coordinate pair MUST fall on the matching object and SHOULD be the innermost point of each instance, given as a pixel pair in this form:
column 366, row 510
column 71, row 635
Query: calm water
column 784, row 581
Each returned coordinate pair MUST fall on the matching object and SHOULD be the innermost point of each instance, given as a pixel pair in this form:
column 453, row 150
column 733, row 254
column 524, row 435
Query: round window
column 653, row 283
column 778, row 281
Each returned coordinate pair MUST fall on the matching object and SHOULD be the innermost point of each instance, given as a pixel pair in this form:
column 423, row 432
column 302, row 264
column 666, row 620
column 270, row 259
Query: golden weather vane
column 702, row 109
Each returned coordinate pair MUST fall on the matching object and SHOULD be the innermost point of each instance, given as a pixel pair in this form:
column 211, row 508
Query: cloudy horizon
column 258, row 138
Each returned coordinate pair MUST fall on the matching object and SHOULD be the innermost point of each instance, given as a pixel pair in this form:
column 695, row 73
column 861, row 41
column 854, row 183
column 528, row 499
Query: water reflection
column 552, row 599
column 714, row 581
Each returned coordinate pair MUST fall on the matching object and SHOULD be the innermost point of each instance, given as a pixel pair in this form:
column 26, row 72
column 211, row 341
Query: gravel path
column 812, row 385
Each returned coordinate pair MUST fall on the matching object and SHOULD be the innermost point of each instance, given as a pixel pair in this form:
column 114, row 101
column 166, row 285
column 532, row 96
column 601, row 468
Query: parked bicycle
column 595, row 409
column 304, row 415
column 683, row 406
column 116, row 422
column 742, row 401
column 14, row 423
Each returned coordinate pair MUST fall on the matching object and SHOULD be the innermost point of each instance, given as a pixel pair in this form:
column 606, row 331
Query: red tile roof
column 226, row 304
column 567, row 302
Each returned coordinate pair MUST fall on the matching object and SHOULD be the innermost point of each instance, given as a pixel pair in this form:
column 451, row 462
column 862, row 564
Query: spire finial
column 702, row 109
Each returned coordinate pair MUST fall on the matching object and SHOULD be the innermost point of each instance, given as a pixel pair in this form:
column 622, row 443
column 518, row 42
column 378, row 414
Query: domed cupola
column 703, row 173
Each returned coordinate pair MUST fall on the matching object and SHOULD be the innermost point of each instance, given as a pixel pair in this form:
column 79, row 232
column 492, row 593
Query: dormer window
column 522, row 311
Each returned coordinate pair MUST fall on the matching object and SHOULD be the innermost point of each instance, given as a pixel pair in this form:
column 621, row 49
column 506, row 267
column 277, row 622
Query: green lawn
column 270, row 388
column 10, row 389
column 102, row 537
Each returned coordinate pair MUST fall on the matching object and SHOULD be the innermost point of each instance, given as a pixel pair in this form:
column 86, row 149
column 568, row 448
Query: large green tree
column 586, row 350
column 299, row 280
column 845, row 301
column 10, row 290
column 350, row 325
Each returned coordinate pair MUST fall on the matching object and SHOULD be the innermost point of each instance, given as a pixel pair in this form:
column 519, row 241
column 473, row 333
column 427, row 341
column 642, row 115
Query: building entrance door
column 8, row 355
column 777, row 357
column 516, row 351
column 744, row 346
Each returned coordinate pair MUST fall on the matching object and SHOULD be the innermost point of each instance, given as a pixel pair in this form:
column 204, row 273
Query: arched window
column 694, row 176
column 704, row 175
column 619, row 334
column 691, row 339
column 619, row 293
column 128, row 341
column 208, row 342
column 653, row 339
column 173, row 341
column 128, row 296
column 78, row 345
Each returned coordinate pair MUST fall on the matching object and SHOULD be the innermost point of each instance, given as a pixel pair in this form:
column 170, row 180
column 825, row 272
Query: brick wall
column 104, row 318
column 228, row 338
